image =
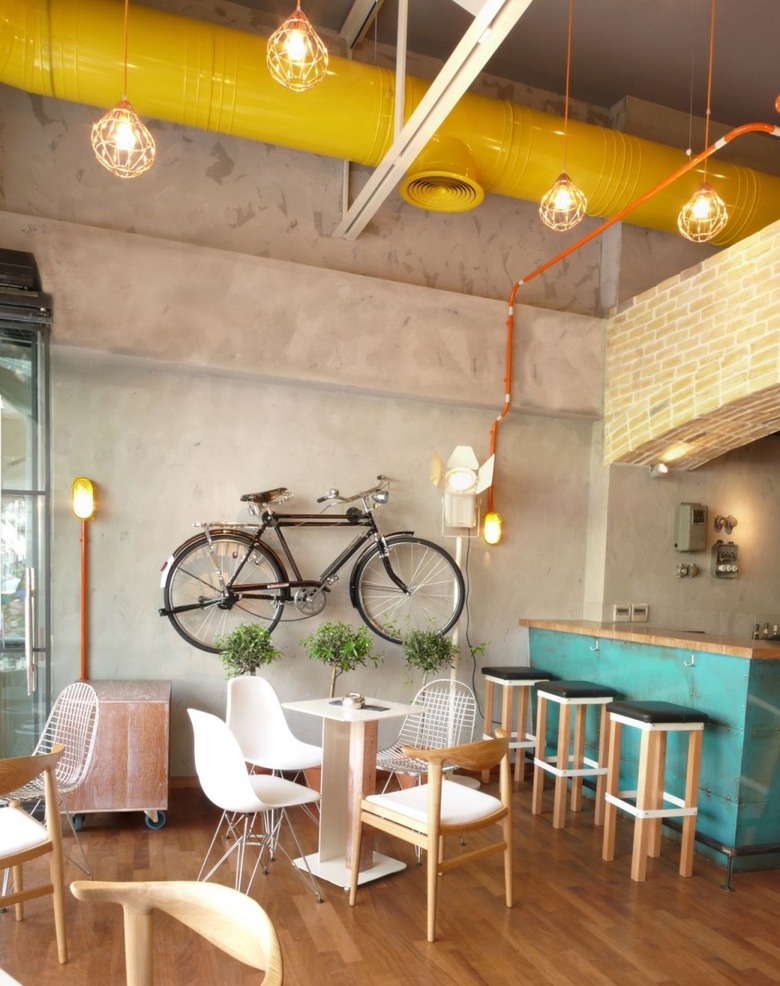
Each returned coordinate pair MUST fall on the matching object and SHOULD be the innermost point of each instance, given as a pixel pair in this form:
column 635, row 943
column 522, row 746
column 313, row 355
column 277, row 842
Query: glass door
column 25, row 674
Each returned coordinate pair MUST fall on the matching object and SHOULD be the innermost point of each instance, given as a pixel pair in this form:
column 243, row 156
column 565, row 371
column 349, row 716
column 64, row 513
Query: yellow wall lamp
column 83, row 505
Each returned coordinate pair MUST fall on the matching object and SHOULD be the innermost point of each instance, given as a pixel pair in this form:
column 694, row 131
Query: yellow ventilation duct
column 215, row 78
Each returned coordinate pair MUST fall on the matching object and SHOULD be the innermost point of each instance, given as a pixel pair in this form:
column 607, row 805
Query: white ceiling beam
column 490, row 27
column 361, row 16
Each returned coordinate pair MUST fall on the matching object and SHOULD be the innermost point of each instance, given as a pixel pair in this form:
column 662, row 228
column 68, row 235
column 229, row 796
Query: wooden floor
column 576, row 919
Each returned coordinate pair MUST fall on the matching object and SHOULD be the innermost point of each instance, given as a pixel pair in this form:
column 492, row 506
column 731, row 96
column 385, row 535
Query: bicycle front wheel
column 200, row 610
column 435, row 591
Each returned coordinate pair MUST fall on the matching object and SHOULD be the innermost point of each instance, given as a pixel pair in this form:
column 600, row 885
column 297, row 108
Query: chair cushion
column 577, row 689
column 657, row 712
column 518, row 674
column 19, row 831
column 460, row 805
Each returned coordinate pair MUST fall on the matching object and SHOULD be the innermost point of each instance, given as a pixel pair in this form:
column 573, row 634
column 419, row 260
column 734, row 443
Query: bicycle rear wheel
column 436, row 591
column 196, row 576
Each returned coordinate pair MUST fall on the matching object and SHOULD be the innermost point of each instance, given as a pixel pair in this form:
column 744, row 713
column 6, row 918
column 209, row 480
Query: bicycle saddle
column 267, row 496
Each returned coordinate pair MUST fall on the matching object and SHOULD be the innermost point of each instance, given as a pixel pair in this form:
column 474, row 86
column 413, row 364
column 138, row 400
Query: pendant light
column 120, row 140
column 564, row 204
column 296, row 56
column 704, row 215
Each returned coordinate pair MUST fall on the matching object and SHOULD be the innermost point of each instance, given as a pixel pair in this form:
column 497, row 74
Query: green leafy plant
column 428, row 651
column 245, row 649
column 342, row 647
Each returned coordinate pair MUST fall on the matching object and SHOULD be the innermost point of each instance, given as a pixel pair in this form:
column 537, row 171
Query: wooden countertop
column 641, row 634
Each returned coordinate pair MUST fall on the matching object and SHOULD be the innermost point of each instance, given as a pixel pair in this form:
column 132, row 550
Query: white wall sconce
column 461, row 480
column 658, row 470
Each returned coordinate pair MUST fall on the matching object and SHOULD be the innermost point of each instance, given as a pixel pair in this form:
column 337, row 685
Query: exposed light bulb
column 563, row 205
column 491, row 530
column 703, row 216
column 122, row 143
column 295, row 56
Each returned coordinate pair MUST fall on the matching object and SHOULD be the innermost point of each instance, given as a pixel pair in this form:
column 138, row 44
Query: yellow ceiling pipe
column 214, row 78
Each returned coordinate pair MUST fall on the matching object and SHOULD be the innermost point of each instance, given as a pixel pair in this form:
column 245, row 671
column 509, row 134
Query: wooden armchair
column 424, row 815
column 233, row 922
column 23, row 837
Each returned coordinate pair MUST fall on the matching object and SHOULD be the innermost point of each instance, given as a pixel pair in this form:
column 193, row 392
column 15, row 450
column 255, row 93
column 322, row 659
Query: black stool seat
column 518, row 674
column 656, row 712
column 577, row 689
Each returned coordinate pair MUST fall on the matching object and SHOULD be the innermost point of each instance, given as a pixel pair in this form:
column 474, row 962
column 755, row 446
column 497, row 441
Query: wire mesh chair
column 447, row 716
column 72, row 723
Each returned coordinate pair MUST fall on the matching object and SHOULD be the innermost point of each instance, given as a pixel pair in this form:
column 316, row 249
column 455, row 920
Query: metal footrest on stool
column 650, row 803
column 521, row 738
column 570, row 761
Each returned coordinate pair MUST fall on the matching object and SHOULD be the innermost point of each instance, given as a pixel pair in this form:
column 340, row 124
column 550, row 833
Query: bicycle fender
column 362, row 556
column 166, row 565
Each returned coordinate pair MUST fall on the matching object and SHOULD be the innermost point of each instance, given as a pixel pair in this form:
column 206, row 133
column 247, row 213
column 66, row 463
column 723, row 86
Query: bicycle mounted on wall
column 228, row 574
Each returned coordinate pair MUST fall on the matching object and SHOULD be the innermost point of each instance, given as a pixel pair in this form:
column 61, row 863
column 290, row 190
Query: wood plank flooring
column 576, row 919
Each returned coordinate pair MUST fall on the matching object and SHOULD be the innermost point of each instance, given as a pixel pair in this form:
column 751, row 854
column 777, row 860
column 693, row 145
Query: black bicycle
column 228, row 574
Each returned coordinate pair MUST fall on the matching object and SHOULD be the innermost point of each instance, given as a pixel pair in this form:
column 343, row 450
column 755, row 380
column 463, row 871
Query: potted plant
column 342, row 647
column 246, row 648
column 428, row 651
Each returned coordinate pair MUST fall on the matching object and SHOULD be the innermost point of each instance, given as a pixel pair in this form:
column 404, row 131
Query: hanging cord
column 568, row 73
column 124, row 83
column 709, row 86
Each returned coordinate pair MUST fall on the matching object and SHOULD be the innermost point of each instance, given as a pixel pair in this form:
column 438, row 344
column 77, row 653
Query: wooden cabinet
column 129, row 769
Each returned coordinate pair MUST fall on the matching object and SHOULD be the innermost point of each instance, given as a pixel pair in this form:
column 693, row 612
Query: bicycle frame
column 270, row 520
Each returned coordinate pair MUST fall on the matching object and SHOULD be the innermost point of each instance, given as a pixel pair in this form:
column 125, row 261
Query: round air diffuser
column 442, row 191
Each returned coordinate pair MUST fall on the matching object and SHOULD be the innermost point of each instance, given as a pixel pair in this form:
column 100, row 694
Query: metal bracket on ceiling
column 491, row 25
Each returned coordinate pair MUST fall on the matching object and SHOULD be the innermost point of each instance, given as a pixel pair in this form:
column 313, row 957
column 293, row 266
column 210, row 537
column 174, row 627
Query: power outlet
column 621, row 613
column 640, row 612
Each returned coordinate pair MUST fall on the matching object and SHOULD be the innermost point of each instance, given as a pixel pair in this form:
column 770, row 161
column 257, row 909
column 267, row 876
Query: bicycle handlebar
column 382, row 485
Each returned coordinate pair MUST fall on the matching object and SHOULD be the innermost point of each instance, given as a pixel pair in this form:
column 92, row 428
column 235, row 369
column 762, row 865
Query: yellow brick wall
column 692, row 367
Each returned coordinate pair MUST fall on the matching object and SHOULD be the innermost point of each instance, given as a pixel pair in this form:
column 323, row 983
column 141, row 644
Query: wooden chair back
column 32, row 838
column 233, row 922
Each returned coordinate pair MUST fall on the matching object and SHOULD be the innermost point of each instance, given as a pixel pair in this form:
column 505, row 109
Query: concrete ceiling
column 657, row 51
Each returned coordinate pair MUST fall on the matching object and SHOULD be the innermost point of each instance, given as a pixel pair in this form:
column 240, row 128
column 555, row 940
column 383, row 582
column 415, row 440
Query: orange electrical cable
column 746, row 128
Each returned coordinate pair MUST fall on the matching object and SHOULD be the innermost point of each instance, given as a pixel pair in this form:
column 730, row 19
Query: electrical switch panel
column 690, row 529
column 725, row 560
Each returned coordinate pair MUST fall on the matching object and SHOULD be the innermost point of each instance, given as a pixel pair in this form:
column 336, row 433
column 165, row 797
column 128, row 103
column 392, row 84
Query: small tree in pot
column 428, row 651
column 342, row 647
column 245, row 649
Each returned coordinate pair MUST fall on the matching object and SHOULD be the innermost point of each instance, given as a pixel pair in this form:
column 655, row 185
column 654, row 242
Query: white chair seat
column 20, row 831
column 276, row 792
column 459, row 805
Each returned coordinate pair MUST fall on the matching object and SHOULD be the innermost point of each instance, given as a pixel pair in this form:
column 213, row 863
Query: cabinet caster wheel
column 78, row 823
column 162, row 818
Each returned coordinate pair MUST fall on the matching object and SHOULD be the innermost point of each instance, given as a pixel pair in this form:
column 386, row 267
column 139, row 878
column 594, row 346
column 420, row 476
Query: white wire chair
column 447, row 717
column 72, row 723
column 253, row 805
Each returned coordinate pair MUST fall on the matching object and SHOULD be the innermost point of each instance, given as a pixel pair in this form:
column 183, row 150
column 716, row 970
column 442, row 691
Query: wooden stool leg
column 541, row 733
column 648, row 749
column 507, row 711
column 656, row 796
column 523, row 730
column 488, row 727
column 561, row 783
column 602, row 761
column 612, row 787
column 578, row 759
column 691, row 801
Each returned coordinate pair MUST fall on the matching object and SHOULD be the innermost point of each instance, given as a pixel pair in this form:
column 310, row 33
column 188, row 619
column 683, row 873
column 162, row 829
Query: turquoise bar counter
column 737, row 683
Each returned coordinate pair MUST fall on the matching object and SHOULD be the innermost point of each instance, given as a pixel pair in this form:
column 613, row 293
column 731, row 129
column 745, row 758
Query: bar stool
column 509, row 679
column 655, row 720
column 570, row 695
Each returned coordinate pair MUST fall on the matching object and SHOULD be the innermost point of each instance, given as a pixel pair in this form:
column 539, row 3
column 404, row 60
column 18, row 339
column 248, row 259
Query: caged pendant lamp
column 563, row 205
column 120, row 140
column 704, row 215
column 296, row 56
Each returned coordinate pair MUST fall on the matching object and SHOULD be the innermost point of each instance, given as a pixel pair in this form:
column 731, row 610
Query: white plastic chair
column 447, row 717
column 248, row 801
column 73, row 723
column 233, row 922
column 256, row 718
